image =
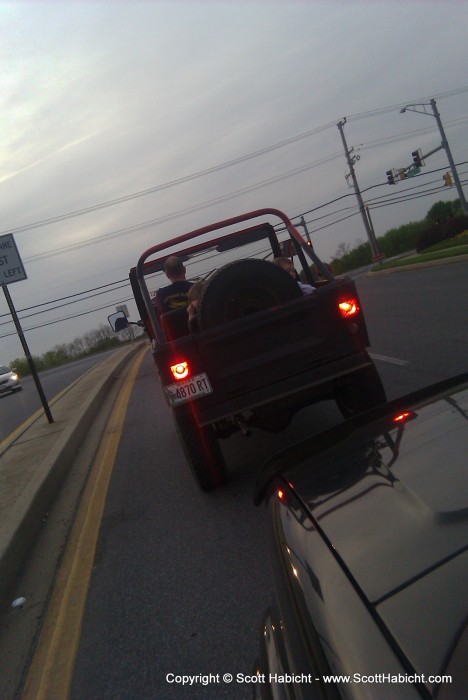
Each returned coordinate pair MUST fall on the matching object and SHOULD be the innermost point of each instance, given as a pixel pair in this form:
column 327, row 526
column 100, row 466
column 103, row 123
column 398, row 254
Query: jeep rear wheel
column 360, row 391
column 242, row 288
column 201, row 449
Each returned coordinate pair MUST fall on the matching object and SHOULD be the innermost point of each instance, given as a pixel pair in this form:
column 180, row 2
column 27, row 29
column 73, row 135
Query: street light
column 445, row 146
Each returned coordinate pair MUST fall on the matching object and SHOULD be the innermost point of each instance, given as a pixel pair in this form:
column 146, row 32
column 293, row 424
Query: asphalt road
column 421, row 319
column 181, row 578
column 16, row 408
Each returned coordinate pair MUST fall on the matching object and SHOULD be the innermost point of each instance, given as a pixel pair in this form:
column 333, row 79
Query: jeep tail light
column 348, row 307
column 181, row 370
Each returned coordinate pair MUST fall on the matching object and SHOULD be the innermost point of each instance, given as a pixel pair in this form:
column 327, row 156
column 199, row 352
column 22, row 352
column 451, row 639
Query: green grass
column 459, row 240
column 460, row 248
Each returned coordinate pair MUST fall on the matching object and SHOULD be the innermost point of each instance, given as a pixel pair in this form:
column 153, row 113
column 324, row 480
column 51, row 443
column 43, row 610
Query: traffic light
column 390, row 177
column 417, row 158
column 402, row 174
column 448, row 179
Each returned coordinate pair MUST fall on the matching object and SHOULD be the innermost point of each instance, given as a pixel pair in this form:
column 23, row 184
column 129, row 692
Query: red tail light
column 348, row 307
column 403, row 417
column 181, row 370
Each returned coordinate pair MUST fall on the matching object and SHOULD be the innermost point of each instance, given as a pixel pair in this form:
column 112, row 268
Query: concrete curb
column 36, row 463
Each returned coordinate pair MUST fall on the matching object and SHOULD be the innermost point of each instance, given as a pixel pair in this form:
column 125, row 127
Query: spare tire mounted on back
column 242, row 288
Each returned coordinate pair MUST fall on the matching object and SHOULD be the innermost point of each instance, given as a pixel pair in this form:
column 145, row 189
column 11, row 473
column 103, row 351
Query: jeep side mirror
column 118, row 321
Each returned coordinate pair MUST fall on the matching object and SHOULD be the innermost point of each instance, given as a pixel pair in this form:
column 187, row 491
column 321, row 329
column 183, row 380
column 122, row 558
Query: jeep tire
column 242, row 288
column 201, row 449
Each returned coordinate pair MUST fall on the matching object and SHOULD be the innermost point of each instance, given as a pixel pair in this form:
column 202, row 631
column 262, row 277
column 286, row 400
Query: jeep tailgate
column 270, row 354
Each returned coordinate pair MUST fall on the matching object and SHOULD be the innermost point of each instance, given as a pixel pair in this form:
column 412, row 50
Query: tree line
column 442, row 221
column 94, row 341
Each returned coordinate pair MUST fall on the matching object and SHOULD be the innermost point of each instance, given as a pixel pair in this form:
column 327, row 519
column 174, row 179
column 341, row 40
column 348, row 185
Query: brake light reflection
column 180, row 371
column 403, row 417
column 348, row 307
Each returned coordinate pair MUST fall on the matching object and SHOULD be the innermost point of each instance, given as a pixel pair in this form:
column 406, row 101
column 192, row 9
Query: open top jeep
column 262, row 350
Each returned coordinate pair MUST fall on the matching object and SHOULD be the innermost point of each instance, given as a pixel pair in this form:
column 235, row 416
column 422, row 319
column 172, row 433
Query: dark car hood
column 391, row 524
column 393, row 506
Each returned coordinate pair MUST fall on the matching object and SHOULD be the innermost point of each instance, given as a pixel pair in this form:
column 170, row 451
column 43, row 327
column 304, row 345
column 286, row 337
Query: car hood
column 392, row 503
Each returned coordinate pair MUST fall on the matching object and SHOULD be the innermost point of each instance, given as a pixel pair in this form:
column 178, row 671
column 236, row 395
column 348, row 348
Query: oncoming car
column 9, row 380
column 368, row 527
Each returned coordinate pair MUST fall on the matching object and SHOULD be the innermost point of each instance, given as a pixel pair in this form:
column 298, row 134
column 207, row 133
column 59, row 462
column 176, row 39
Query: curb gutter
column 35, row 464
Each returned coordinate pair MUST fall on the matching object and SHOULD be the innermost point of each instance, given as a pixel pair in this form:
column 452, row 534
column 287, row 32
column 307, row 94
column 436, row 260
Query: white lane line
column 391, row 360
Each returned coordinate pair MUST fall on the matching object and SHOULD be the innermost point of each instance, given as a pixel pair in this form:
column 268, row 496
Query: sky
column 124, row 124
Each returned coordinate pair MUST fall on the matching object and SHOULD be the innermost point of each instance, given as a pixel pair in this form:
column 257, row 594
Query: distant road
column 18, row 407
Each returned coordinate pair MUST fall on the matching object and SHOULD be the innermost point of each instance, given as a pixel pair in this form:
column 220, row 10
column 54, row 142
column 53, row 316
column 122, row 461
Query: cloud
column 110, row 99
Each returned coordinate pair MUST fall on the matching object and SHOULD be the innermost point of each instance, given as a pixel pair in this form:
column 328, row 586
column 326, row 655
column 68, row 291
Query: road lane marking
column 391, row 360
column 51, row 672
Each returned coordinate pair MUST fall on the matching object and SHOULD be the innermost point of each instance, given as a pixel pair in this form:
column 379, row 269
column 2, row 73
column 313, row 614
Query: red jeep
column 263, row 350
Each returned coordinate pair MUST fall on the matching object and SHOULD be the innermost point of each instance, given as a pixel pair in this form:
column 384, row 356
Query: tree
column 342, row 250
column 441, row 211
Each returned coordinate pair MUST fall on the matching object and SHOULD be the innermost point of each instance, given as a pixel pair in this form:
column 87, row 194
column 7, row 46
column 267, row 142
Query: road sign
column 11, row 267
column 412, row 171
column 123, row 307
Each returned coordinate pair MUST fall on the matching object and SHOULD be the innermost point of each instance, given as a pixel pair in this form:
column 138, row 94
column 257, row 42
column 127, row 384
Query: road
column 16, row 408
column 421, row 319
column 181, row 578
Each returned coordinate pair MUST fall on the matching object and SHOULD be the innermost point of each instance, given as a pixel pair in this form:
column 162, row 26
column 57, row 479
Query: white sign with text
column 11, row 267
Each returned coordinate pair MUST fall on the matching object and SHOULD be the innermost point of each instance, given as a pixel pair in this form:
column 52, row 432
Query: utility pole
column 445, row 146
column 370, row 233
column 303, row 223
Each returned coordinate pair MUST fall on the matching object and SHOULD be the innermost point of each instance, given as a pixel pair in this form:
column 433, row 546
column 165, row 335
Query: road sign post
column 12, row 270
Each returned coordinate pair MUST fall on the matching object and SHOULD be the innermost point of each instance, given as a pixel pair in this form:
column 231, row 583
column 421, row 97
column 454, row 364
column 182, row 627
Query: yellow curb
column 51, row 671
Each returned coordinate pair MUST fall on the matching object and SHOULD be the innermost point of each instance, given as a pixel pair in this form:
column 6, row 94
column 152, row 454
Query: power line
column 67, row 303
column 181, row 212
column 68, row 318
column 221, row 166
column 384, row 110
column 69, row 296
column 378, row 202
column 171, row 183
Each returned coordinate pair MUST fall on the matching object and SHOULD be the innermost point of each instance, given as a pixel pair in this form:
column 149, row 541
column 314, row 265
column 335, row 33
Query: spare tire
column 242, row 288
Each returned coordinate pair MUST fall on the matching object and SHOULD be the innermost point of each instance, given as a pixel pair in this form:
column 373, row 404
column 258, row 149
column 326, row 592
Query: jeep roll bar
column 299, row 243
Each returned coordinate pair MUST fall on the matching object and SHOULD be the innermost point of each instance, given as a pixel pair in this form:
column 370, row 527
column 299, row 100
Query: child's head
column 196, row 290
column 287, row 265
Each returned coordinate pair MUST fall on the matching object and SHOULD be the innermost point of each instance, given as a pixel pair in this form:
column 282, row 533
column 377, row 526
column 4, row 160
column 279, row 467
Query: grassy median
column 445, row 249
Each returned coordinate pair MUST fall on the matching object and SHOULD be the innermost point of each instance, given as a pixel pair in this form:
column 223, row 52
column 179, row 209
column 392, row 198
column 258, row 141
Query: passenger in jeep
column 194, row 296
column 174, row 296
column 288, row 265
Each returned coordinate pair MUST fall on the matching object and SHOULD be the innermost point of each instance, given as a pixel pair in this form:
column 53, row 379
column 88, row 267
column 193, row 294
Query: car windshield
column 4, row 370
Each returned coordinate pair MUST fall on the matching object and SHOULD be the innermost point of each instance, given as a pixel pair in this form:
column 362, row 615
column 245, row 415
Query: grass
column 445, row 249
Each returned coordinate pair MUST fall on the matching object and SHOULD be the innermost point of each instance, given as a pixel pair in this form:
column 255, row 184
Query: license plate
column 192, row 388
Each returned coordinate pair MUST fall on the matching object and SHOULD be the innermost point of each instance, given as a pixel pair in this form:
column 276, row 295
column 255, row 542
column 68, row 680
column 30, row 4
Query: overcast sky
column 105, row 100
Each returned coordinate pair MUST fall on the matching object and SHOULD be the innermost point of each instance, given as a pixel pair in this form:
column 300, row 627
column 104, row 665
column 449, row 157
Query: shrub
column 401, row 239
column 441, row 232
